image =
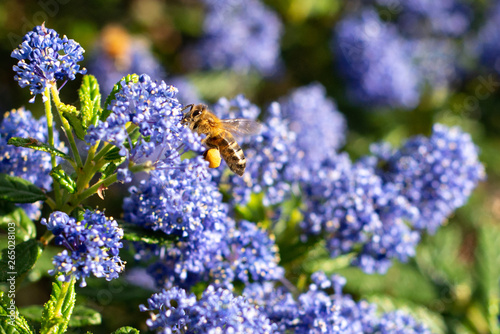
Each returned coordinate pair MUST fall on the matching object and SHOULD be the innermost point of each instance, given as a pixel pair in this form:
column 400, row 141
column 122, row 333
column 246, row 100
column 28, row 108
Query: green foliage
column 75, row 121
column 90, row 101
column 63, row 179
column 14, row 217
column 57, row 311
column 37, row 145
column 19, row 190
column 20, row 259
column 11, row 321
column 126, row 330
column 136, row 233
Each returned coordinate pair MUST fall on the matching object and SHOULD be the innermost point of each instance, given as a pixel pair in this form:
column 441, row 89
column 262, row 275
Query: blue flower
column 319, row 129
column 435, row 174
column 92, row 246
column 319, row 311
column 376, row 62
column 217, row 311
column 240, row 35
column 353, row 209
column 119, row 54
column 44, row 57
column 29, row 164
column 152, row 107
column 185, row 205
column 267, row 153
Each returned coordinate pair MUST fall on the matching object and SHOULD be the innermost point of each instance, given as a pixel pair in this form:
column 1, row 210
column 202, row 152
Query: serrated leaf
column 14, row 217
column 126, row 330
column 108, row 170
column 18, row 190
column 19, row 260
column 77, row 124
column 117, row 87
column 57, row 311
column 90, row 100
column 37, row 145
column 63, row 179
column 11, row 322
column 84, row 316
column 113, row 155
column 133, row 232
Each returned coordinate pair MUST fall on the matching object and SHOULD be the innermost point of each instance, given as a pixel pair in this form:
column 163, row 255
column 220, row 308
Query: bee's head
column 194, row 113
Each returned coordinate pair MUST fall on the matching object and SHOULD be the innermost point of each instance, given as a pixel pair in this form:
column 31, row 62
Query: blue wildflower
column 240, row 35
column 267, row 153
column 376, row 62
column 44, row 57
column 185, row 205
column 353, row 209
column 29, row 164
column 92, row 246
column 435, row 174
column 319, row 311
column 118, row 54
column 152, row 108
column 217, row 311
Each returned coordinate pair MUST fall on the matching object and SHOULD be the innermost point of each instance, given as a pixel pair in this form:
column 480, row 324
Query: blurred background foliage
column 452, row 284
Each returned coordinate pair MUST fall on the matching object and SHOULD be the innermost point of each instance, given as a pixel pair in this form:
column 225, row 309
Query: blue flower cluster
column 376, row 61
column 318, row 311
column 44, row 57
column 436, row 174
column 379, row 211
column 92, row 246
column 186, row 206
column 153, row 109
column 119, row 54
column 217, row 311
column 267, row 153
column 387, row 66
column 487, row 47
column 29, row 164
column 241, row 35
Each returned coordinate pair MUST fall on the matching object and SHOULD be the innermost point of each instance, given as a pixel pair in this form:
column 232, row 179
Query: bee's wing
column 241, row 127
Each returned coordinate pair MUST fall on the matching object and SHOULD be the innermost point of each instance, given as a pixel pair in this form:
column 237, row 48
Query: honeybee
column 219, row 134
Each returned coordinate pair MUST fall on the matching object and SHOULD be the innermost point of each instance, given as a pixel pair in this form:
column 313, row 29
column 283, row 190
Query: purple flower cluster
column 185, row 205
column 92, row 246
column 240, row 35
column 217, row 311
column 29, row 164
column 436, row 174
column 153, row 109
column 378, row 212
column 318, row 311
column 44, row 57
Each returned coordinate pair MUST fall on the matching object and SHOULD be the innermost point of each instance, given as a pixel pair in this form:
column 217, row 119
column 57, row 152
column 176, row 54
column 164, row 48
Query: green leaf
column 57, row 311
column 77, row 124
column 11, row 321
column 113, row 155
column 136, row 233
column 107, row 170
column 90, row 100
column 488, row 270
column 18, row 190
column 84, row 316
column 63, row 179
column 19, row 260
column 35, row 144
column 117, row 87
column 126, row 330
column 14, row 217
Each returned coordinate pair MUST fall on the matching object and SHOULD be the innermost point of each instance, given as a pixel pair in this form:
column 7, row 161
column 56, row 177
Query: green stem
column 50, row 128
column 66, row 126
column 103, row 151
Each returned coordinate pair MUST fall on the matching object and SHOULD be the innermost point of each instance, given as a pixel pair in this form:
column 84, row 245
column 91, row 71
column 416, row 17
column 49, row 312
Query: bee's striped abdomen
column 230, row 151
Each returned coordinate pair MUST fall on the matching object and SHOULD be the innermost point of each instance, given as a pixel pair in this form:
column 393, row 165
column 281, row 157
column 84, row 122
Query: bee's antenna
column 188, row 106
